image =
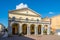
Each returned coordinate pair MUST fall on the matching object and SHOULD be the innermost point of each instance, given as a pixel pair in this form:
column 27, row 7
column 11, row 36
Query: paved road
column 45, row 37
column 33, row 37
column 17, row 38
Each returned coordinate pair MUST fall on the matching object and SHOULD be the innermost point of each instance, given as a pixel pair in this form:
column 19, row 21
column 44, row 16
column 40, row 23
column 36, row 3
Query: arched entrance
column 32, row 29
column 39, row 29
column 45, row 29
column 24, row 29
column 15, row 28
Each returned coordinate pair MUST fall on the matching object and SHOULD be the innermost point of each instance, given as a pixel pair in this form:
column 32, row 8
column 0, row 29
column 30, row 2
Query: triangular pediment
column 25, row 11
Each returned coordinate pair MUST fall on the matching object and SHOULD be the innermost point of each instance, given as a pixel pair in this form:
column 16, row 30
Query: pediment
column 25, row 11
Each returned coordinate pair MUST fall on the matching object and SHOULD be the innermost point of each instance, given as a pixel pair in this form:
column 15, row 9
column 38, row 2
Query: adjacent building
column 55, row 24
column 1, row 27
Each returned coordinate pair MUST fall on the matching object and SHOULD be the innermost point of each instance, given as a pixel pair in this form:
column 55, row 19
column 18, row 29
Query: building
column 1, row 27
column 28, row 22
column 55, row 24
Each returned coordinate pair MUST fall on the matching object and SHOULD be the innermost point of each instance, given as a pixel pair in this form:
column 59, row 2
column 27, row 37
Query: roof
column 25, row 8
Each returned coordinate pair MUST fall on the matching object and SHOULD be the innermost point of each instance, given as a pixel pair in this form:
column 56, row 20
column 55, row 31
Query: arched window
column 26, row 18
column 37, row 19
column 13, row 18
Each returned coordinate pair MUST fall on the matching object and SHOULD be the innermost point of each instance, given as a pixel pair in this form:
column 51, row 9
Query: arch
column 32, row 28
column 39, row 29
column 45, row 29
column 15, row 27
column 24, row 29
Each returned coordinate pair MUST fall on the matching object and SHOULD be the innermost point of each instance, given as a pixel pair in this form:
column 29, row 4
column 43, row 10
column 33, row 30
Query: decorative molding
column 25, row 14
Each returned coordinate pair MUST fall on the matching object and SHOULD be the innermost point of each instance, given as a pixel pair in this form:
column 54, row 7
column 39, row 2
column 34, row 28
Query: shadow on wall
column 15, row 37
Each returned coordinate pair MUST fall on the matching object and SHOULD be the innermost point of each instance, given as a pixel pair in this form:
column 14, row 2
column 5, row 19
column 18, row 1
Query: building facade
column 55, row 24
column 27, row 22
column 1, row 27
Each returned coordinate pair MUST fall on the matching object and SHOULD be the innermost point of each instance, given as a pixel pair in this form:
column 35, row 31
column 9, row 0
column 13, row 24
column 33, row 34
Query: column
column 36, row 30
column 42, row 29
column 9, row 28
column 48, row 30
column 20, row 28
column 28, row 30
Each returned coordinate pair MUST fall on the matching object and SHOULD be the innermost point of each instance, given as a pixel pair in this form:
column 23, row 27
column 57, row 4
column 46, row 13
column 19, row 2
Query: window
column 13, row 18
column 37, row 19
column 26, row 18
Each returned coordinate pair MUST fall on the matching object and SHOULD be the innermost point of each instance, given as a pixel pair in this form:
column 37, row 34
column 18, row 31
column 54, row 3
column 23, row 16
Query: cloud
column 21, row 5
column 51, row 12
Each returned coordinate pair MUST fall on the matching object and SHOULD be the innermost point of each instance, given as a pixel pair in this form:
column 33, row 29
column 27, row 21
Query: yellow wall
column 55, row 22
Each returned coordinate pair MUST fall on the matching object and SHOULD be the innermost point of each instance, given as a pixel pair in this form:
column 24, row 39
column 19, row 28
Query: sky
column 45, row 8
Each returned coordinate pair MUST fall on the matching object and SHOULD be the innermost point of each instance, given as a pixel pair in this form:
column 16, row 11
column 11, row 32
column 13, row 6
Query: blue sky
column 44, row 7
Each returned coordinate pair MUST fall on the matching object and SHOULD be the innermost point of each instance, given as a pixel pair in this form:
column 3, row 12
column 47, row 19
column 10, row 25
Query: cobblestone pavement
column 33, row 37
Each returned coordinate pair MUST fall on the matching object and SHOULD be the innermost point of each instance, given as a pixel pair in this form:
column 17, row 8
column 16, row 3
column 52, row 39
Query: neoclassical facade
column 27, row 22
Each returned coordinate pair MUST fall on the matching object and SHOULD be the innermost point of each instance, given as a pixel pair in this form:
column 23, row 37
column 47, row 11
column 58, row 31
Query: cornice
column 25, row 14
